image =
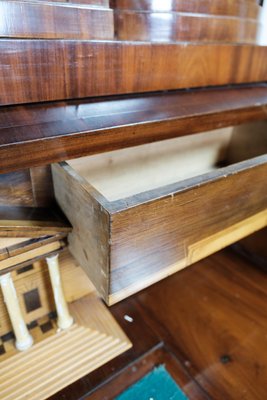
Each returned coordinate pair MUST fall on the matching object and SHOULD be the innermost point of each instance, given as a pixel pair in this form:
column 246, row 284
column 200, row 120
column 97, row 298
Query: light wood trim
column 197, row 251
column 12, row 261
column 224, row 238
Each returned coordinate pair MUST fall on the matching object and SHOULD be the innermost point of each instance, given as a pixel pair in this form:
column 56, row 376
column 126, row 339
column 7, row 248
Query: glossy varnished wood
column 59, row 68
column 43, row 19
column 173, row 26
column 213, row 316
column 249, row 9
column 59, row 131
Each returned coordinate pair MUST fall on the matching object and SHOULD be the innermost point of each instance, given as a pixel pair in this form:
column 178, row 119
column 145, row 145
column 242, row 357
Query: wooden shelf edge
column 57, row 131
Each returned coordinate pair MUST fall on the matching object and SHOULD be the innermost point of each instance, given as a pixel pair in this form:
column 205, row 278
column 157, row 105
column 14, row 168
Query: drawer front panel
column 156, row 233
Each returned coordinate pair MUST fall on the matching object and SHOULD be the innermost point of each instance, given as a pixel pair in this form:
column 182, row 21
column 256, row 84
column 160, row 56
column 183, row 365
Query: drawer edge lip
column 174, row 189
column 87, row 187
column 121, row 205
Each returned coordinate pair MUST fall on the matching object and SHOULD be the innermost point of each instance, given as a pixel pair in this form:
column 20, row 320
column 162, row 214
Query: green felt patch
column 157, row 385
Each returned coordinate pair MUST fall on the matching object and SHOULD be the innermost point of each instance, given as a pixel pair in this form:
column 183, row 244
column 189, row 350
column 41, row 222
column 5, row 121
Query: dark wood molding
column 51, row 132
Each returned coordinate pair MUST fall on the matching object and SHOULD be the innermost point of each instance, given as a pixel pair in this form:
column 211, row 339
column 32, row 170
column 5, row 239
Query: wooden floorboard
column 212, row 320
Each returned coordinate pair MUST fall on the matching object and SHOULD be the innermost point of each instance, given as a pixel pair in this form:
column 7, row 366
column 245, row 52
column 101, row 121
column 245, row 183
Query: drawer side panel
column 153, row 240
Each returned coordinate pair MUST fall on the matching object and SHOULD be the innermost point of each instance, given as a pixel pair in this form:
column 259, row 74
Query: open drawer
column 143, row 213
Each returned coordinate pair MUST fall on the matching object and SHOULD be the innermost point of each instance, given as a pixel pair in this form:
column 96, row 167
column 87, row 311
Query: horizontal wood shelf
column 58, row 131
column 59, row 69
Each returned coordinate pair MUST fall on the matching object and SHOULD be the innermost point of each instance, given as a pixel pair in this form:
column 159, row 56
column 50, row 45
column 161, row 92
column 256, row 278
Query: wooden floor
column 207, row 324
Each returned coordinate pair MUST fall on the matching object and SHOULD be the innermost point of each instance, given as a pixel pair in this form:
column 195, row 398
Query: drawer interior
column 123, row 173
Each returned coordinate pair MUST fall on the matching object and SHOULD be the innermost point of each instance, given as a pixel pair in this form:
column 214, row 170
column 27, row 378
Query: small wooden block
column 32, row 222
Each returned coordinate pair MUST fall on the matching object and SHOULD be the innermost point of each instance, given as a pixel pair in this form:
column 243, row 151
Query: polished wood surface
column 59, row 68
column 156, row 231
column 20, row 19
column 58, row 131
column 192, row 27
column 248, row 9
column 211, row 317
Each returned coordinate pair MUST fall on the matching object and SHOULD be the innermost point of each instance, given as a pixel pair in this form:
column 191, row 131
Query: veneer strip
column 39, row 19
column 59, row 69
column 227, row 7
column 62, row 130
column 192, row 27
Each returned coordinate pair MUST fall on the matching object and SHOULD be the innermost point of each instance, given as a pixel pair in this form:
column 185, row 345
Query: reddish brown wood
column 172, row 26
column 213, row 317
column 95, row 3
column 58, row 69
column 20, row 19
column 58, row 131
column 242, row 8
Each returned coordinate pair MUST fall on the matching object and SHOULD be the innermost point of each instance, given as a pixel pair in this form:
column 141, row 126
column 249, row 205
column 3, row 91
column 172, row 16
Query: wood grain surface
column 147, row 236
column 242, row 8
column 20, row 19
column 191, row 27
column 58, row 131
column 59, row 68
column 29, row 188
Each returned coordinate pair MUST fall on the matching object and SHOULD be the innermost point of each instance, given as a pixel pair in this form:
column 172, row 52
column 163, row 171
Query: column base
column 65, row 324
column 25, row 344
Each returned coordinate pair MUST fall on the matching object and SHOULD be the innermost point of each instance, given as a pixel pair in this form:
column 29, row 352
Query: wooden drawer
column 143, row 213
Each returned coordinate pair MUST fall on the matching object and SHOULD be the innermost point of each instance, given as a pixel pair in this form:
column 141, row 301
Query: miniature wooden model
column 54, row 328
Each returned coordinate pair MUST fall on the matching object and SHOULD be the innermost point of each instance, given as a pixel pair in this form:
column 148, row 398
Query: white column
column 262, row 25
column 23, row 338
column 65, row 320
